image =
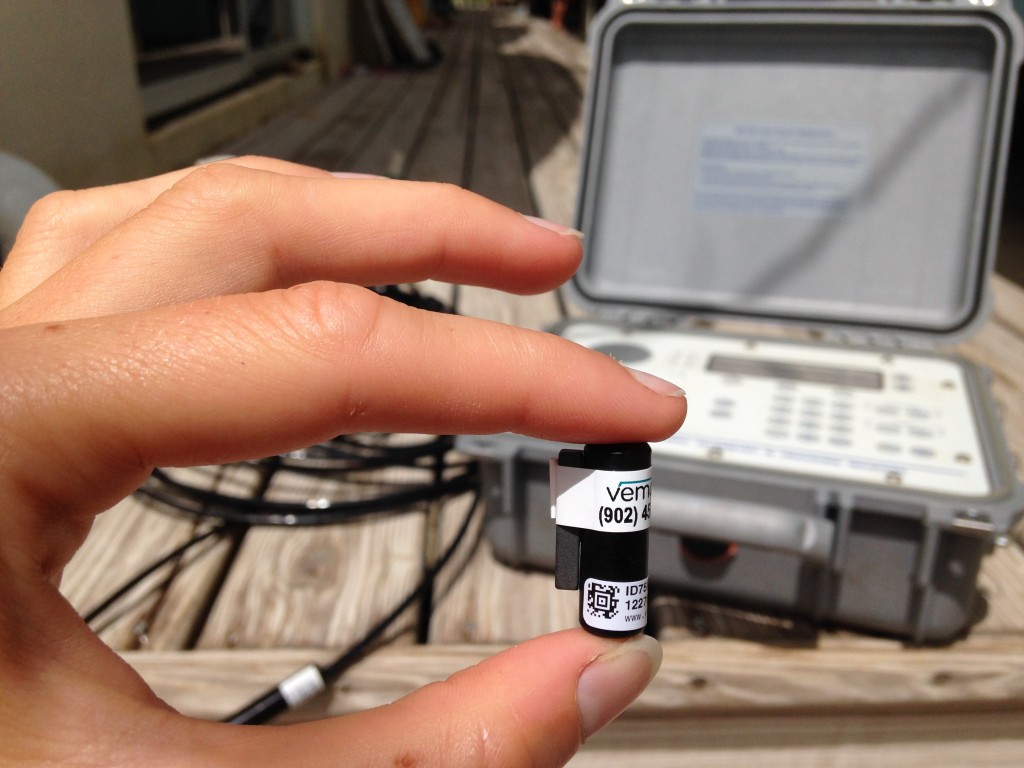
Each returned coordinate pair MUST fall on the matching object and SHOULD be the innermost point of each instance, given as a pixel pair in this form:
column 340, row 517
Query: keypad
column 887, row 418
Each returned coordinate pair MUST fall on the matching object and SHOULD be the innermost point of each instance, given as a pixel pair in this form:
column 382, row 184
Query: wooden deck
column 500, row 115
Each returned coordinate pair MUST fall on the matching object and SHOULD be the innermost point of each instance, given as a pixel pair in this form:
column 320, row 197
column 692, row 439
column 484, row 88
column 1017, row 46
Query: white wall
column 70, row 102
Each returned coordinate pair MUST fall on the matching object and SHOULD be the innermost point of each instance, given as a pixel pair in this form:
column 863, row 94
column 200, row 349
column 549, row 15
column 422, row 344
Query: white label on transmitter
column 601, row 500
column 619, row 606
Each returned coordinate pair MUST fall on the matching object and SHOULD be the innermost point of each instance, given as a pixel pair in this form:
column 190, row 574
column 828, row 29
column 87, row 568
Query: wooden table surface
column 501, row 115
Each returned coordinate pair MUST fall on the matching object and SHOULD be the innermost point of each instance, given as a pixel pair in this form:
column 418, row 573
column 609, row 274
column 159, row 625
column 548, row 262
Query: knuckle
column 325, row 315
column 53, row 211
column 220, row 189
column 332, row 325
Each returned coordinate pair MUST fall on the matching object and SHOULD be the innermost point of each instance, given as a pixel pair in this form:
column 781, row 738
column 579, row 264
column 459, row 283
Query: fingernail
column 349, row 175
column 611, row 682
column 551, row 226
column 655, row 384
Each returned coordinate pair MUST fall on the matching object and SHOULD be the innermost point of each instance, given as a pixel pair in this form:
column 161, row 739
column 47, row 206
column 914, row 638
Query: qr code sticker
column 602, row 599
column 615, row 605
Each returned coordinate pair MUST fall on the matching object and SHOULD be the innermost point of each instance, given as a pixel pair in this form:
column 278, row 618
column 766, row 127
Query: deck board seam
column 451, row 61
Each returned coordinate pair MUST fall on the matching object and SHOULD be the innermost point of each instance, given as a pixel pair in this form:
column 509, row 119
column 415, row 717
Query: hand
column 216, row 314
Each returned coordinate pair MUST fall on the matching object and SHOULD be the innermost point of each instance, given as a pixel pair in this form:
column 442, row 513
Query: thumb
column 532, row 705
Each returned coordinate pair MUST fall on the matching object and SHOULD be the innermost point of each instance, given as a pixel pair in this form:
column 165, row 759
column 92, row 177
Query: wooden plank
column 536, row 312
column 469, row 141
column 182, row 611
column 178, row 618
column 319, row 586
column 495, row 164
column 839, row 673
column 698, row 678
column 396, row 140
column 123, row 541
column 288, row 134
column 1009, row 303
column 1002, row 587
column 357, row 124
column 566, row 50
column 492, row 603
column 352, row 129
column 440, row 147
column 999, row 348
column 547, row 99
column 826, row 740
column 972, row 717
column 313, row 587
column 1001, row 351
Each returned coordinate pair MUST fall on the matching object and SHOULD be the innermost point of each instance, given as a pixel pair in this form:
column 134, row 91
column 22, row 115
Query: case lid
column 834, row 164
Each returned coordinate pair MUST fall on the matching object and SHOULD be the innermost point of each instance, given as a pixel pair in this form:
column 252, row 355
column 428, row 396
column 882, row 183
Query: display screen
column 814, row 374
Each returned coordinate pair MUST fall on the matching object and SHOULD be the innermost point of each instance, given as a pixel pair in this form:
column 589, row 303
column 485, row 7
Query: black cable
column 345, row 454
column 307, row 682
column 411, row 296
column 257, row 510
column 430, row 547
column 97, row 610
column 249, row 511
column 234, row 512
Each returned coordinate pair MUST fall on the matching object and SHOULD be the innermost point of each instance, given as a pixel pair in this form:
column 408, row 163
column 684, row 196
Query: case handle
column 745, row 523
